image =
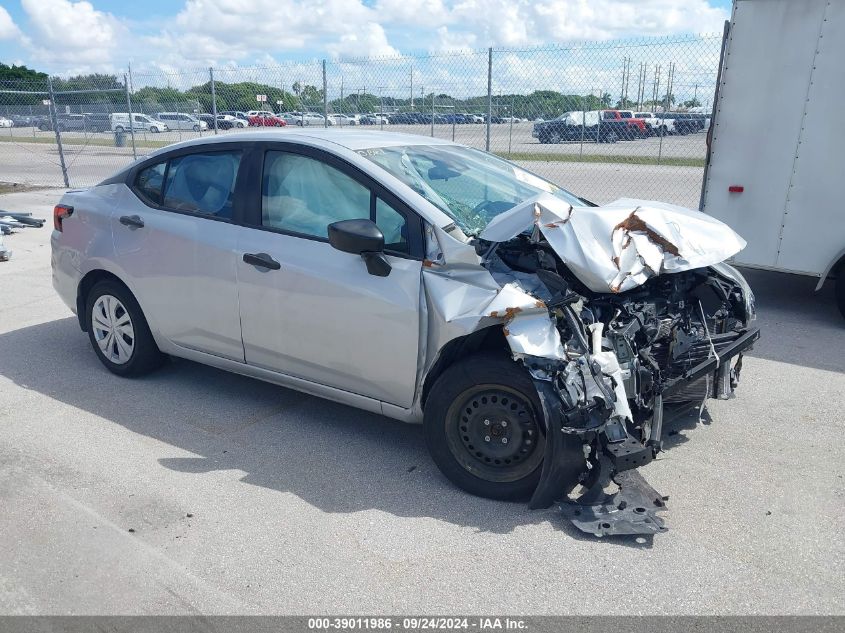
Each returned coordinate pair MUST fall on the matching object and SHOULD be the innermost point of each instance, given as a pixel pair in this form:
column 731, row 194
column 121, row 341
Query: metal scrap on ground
column 10, row 222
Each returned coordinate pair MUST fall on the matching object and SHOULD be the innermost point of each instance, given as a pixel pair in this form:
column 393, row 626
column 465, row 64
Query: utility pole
column 412, row 88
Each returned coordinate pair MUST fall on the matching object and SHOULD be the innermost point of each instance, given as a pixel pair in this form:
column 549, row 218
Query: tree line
column 107, row 91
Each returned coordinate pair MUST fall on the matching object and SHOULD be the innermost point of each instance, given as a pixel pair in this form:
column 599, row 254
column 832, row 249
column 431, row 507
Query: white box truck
column 776, row 166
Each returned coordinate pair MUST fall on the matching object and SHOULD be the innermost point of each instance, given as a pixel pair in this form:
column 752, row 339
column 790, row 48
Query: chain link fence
column 605, row 120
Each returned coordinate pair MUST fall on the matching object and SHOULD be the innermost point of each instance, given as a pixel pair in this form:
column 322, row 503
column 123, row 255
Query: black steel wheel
column 492, row 430
column 484, row 427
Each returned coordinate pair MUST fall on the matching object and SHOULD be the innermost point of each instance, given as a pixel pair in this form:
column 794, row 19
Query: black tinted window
column 148, row 182
column 202, row 183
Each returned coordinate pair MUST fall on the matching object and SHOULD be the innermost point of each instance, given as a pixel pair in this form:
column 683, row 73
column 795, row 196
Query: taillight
column 60, row 212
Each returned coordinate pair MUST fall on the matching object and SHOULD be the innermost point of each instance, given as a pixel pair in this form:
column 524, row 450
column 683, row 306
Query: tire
column 196, row 128
column 555, row 138
column 143, row 355
column 466, row 447
column 839, row 291
column 153, row 129
column 543, row 139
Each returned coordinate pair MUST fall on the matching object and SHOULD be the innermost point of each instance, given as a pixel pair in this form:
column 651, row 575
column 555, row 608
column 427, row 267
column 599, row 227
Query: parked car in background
column 237, row 114
column 600, row 126
column 349, row 266
column 342, row 119
column 456, row 118
column 374, row 119
column 687, row 123
column 262, row 118
column 637, row 127
column 304, row 119
column 224, row 121
column 182, row 121
column 97, row 121
column 120, row 123
column 657, row 125
column 23, row 120
column 4, row 122
column 69, row 122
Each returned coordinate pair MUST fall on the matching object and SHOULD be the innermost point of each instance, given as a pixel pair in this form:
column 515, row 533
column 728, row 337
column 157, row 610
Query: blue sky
column 171, row 42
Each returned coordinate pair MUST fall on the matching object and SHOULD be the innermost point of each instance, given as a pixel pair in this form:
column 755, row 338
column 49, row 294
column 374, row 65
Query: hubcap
column 494, row 434
column 112, row 328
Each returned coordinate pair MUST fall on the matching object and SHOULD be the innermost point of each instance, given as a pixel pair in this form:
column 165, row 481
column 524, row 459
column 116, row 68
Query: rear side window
column 202, row 183
column 149, row 182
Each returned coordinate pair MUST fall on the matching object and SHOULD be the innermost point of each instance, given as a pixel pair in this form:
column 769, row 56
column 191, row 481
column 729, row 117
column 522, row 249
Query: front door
column 315, row 312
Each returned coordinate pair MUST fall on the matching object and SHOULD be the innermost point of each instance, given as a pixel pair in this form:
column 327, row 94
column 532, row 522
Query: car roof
column 345, row 138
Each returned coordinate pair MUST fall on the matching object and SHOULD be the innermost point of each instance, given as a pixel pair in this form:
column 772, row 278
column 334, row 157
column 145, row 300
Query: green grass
column 550, row 157
column 93, row 141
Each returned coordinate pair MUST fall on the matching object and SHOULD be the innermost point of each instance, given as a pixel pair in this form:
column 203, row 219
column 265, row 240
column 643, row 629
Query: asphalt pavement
column 198, row 491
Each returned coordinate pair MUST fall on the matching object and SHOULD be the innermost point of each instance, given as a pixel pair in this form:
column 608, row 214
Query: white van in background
column 120, row 123
column 182, row 121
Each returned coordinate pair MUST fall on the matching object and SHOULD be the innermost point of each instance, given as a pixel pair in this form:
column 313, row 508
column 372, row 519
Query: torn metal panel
column 454, row 247
column 633, row 510
column 618, row 246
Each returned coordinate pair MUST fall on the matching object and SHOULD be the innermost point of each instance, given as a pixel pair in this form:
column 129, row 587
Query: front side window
column 202, row 183
column 304, row 195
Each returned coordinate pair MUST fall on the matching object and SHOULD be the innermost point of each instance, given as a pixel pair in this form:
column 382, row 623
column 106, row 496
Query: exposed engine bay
column 608, row 362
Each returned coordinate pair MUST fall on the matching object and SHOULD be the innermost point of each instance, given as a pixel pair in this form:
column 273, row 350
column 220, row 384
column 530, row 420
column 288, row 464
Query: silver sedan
column 536, row 336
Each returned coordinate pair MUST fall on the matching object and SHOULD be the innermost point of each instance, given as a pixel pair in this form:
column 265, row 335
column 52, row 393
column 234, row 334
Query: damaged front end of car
column 618, row 313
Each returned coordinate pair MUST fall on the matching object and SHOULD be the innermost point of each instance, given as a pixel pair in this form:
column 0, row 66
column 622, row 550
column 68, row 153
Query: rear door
column 320, row 315
column 175, row 237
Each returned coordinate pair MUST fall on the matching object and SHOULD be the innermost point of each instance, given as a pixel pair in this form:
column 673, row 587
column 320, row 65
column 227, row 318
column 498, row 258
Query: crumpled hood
column 620, row 245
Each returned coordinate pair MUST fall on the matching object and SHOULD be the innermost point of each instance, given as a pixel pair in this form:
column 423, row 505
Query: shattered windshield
column 470, row 186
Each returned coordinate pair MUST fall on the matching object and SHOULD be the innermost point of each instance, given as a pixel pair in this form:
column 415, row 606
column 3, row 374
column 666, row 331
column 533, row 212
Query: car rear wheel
column 119, row 332
column 196, row 128
column 154, row 129
column 483, row 427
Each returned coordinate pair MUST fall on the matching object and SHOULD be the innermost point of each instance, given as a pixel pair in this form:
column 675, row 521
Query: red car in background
column 637, row 128
column 262, row 118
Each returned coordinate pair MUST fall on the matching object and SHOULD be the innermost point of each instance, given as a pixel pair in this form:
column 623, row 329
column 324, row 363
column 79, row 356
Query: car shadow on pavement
column 799, row 326
column 332, row 456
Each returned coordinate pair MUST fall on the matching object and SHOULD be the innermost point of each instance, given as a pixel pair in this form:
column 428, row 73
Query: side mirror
column 364, row 238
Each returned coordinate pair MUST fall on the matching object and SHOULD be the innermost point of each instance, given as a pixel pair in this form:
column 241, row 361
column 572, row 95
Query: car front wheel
column 119, row 332
column 483, row 427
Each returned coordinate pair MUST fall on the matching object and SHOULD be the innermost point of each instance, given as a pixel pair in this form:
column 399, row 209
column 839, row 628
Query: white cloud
column 209, row 30
column 230, row 34
column 8, row 29
column 72, row 32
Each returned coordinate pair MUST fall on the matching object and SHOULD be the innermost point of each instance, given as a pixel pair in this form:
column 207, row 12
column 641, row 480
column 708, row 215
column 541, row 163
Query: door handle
column 262, row 259
column 132, row 221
